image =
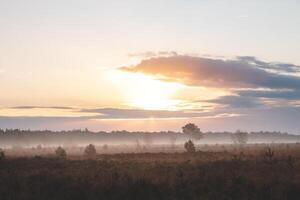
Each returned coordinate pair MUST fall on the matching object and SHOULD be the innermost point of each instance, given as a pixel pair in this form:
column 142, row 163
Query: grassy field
column 253, row 172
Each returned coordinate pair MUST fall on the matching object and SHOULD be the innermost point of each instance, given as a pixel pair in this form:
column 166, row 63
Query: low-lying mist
column 26, row 142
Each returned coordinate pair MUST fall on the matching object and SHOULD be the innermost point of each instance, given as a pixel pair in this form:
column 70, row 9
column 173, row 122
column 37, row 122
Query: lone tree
column 90, row 151
column 240, row 138
column 189, row 146
column 61, row 153
column 193, row 131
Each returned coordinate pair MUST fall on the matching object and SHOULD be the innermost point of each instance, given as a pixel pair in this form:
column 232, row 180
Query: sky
column 150, row 65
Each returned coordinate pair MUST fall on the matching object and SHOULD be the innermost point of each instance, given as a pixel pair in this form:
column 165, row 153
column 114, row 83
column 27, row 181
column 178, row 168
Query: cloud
column 277, row 94
column 116, row 113
column 276, row 66
column 278, row 118
column 105, row 116
column 26, row 122
column 243, row 72
column 237, row 101
column 42, row 107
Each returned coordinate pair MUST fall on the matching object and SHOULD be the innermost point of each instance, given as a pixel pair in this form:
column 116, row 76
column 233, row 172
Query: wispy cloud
column 276, row 66
column 43, row 107
column 116, row 113
column 237, row 102
column 126, row 114
column 273, row 94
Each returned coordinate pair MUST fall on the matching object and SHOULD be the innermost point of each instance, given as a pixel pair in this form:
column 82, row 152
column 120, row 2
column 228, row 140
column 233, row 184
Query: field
column 213, row 172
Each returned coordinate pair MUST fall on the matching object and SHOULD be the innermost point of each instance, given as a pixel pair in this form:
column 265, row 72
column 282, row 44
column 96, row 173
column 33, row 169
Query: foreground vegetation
column 247, row 173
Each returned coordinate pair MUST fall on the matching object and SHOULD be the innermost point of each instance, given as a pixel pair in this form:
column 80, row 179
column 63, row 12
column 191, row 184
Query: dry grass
column 234, row 173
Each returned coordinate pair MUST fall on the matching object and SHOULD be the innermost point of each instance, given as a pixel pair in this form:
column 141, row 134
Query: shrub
column 269, row 155
column 2, row 155
column 189, row 147
column 90, row 151
column 291, row 161
column 61, row 153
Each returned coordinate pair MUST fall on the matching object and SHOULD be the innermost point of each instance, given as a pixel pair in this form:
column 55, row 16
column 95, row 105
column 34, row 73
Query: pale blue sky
column 59, row 52
column 266, row 29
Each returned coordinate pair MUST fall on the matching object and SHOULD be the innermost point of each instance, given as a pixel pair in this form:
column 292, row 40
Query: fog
column 27, row 142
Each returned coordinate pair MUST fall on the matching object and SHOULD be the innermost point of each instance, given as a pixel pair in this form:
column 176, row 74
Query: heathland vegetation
column 166, row 165
column 255, row 173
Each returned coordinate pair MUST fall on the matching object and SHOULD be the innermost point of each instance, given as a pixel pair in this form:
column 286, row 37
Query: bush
column 189, row 147
column 90, row 151
column 61, row 153
column 269, row 155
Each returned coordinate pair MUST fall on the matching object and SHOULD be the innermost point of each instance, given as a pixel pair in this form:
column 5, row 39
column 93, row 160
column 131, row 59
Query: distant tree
column 190, row 129
column 189, row 146
column 90, row 151
column 148, row 140
column 138, row 145
column 173, row 139
column 39, row 147
column 240, row 138
column 144, row 148
column 105, row 147
column 193, row 131
column 61, row 153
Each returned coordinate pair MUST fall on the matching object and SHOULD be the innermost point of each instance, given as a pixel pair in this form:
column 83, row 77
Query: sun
column 145, row 92
column 153, row 95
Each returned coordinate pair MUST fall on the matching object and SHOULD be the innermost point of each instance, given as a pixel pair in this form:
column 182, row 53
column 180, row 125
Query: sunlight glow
column 145, row 92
